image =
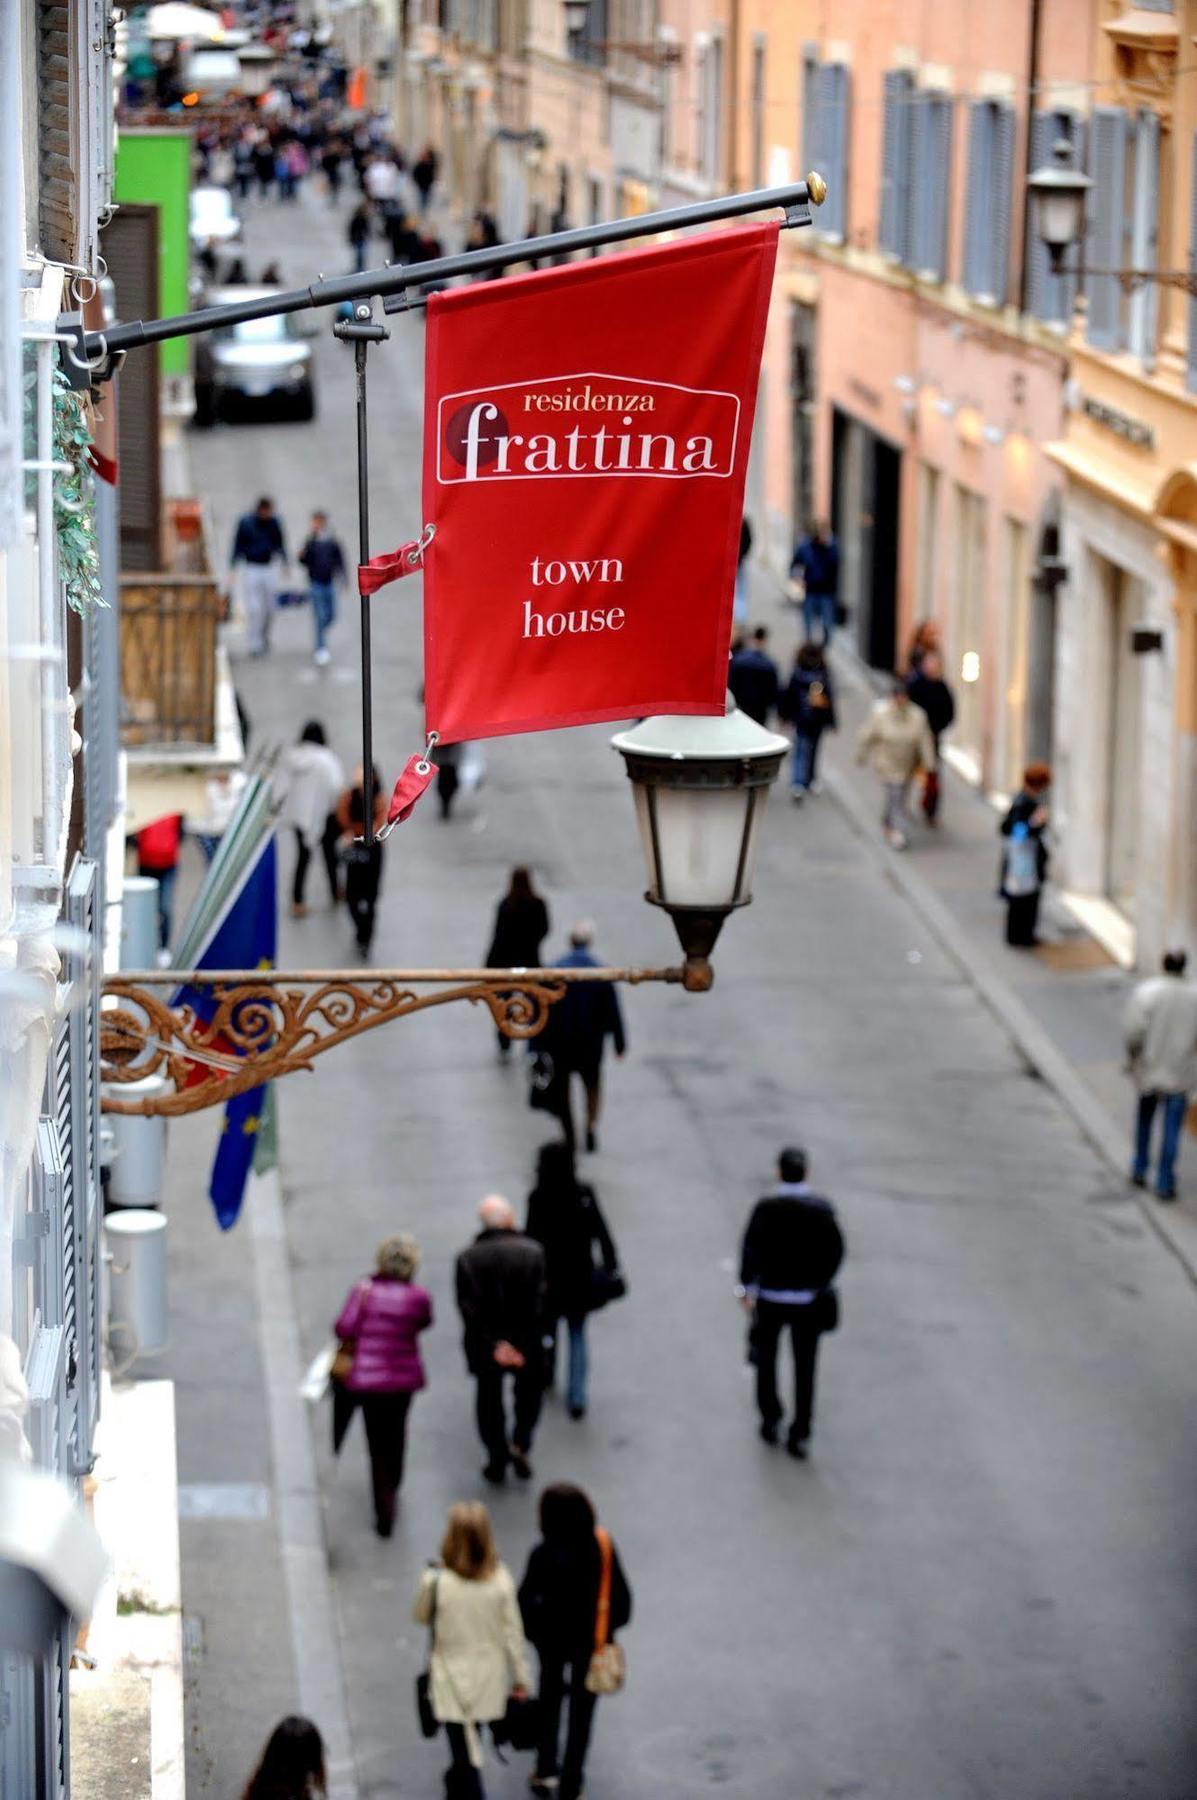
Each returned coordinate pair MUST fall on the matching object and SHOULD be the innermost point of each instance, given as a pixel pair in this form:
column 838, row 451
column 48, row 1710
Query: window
column 1018, row 595
column 758, row 113
column 1124, row 164
column 928, row 542
column 1192, row 359
column 589, row 44
column 987, row 212
column 710, row 111
column 832, row 88
column 931, row 158
column 1051, row 298
column 894, row 229
column 806, row 124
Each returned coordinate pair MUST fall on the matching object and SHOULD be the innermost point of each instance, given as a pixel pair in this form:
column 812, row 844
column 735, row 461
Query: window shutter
column 832, row 93
column 1001, row 194
column 11, row 452
column 57, row 216
column 82, row 964
column 1103, row 246
column 930, row 172
column 977, row 223
column 1145, row 234
column 807, row 125
column 1041, row 301
column 1192, row 362
column 894, row 233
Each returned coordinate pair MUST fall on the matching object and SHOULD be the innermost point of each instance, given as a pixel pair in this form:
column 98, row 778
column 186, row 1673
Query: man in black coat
column 791, row 1253
column 753, row 679
column 575, row 1036
column 501, row 1298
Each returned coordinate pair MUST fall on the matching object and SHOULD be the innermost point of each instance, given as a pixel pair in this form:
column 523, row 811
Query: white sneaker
column 322, row 656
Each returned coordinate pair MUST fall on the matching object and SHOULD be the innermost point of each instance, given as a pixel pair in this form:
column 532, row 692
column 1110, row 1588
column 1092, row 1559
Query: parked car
column 213, row 217
column 259, row 363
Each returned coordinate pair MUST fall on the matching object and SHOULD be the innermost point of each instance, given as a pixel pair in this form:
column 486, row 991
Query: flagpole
column 361, row 331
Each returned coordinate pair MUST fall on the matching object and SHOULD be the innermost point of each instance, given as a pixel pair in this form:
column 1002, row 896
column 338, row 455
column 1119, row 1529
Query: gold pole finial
column 816, row 188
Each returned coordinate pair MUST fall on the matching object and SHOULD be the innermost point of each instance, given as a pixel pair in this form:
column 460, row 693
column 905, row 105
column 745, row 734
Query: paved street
column 983, row 1582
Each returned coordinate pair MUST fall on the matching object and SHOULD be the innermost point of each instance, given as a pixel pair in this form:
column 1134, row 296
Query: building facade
column 58, row 800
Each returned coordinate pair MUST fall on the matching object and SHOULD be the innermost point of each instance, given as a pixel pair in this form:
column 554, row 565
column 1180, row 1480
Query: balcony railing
column 168, row 642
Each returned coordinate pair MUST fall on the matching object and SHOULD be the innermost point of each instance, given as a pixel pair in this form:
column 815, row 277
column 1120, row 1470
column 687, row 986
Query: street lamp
column 1058, row 197
column 700, row 788
column 576, row 14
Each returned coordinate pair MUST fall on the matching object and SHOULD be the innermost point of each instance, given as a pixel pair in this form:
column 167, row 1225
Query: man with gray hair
column 501, row 1298
column 587, row 1014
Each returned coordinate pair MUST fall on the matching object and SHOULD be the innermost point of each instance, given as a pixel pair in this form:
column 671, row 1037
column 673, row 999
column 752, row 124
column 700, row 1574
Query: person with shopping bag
column 378, row 1366
column 574, row 1597
column 477, row 1657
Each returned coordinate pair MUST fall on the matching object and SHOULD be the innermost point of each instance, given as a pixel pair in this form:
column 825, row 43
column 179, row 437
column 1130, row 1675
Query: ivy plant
column 75, row 500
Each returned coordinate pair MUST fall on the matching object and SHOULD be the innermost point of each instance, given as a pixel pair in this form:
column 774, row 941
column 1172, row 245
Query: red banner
column 586, row 439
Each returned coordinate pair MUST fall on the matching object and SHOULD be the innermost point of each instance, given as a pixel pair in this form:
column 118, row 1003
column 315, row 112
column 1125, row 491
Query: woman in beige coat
column 895, row 742
column 477, row 1656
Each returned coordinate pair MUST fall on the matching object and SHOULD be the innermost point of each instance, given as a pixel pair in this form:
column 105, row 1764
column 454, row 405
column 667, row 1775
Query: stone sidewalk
column 1062, row 1002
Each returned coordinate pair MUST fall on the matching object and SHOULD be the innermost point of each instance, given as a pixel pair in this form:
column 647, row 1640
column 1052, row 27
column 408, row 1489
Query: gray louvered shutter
column 1041, row 298
column 976, row 220
column 1144, row 246
column 83, row 966
column 1192, row 359
column 1103, row 246
column 808, row 123
column 894, row 234
column 930, row 170
column 832, row 89
column 1001, row 200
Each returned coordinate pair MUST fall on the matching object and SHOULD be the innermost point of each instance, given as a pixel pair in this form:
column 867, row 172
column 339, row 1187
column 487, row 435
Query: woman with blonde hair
column 477, row 1657
column 379, row 1328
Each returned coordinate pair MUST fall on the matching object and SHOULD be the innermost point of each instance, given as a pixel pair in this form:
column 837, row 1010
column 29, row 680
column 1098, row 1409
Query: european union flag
column 246, row 938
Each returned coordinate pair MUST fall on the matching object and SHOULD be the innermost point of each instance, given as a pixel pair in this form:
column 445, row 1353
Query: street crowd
column 525, row 1289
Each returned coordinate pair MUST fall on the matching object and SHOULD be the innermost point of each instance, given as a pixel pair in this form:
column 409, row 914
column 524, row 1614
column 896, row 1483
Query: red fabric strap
column 410, row 785
column 383, row 569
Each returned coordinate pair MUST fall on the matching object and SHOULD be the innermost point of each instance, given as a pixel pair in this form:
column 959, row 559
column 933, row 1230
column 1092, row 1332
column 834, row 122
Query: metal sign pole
column 361, row 331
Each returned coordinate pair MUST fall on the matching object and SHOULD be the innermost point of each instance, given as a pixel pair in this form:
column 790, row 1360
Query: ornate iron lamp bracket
column 268, row 1024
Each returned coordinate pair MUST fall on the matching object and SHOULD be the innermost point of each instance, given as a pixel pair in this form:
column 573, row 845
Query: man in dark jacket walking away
column 324, row 560
column 817, row 560
column 501, row 1298
column 791, row 1253
column 753, row 679
column 580, row 1023
column 931, row 693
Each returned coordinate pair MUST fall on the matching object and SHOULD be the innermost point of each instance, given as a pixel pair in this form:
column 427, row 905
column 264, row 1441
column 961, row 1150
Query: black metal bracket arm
column 96, row 349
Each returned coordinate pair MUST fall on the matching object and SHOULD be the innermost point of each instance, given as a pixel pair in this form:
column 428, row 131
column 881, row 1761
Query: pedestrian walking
column 332, row 161
column 258, row 544
column 575, row 1037
column 581, row 1263
column 324, row 560
column 573, row 1599
column 896, row 743
column 423, row 173
column 816, row 560
column 292, row 1765
column 753, row 679
column 312, row 778
column 927, row 639
column 379, row 1328
column 363, row 862
column 500, row 1281
column 1160, row 1029
column 932, row 695
column 521, row 926
column 791, row 1253
column 808, row 704
column 447, row 758
column 1025, row 857
column 358, row 231
column 477, row 1657
column 740, row 602
column 243, row 166
column 158, row 846
column 264, row 165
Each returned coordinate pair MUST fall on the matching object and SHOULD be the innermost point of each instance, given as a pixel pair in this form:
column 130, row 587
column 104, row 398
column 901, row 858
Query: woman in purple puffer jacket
column 380, row 1323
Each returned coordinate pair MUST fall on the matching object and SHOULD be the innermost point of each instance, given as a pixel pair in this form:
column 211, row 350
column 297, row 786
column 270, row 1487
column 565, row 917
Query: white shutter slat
column 1107, row 169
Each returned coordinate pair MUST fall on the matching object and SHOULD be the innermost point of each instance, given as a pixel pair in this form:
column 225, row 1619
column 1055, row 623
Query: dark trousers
column 303, row 857
column 462, row 1780
column 1022, row 917
column 769, row 1322
column 385, row 1417
column 363, row 874
column 592, row 1081
column 1174, row 1107
column 555, row 1675
column 492, row 1411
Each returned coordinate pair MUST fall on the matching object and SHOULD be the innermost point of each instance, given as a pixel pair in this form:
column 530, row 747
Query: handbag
column 542, row 1083
column 605, row 1285
column 429, row 1723
column 520, row 1725
column 341, row 1367
column 608, row 1665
